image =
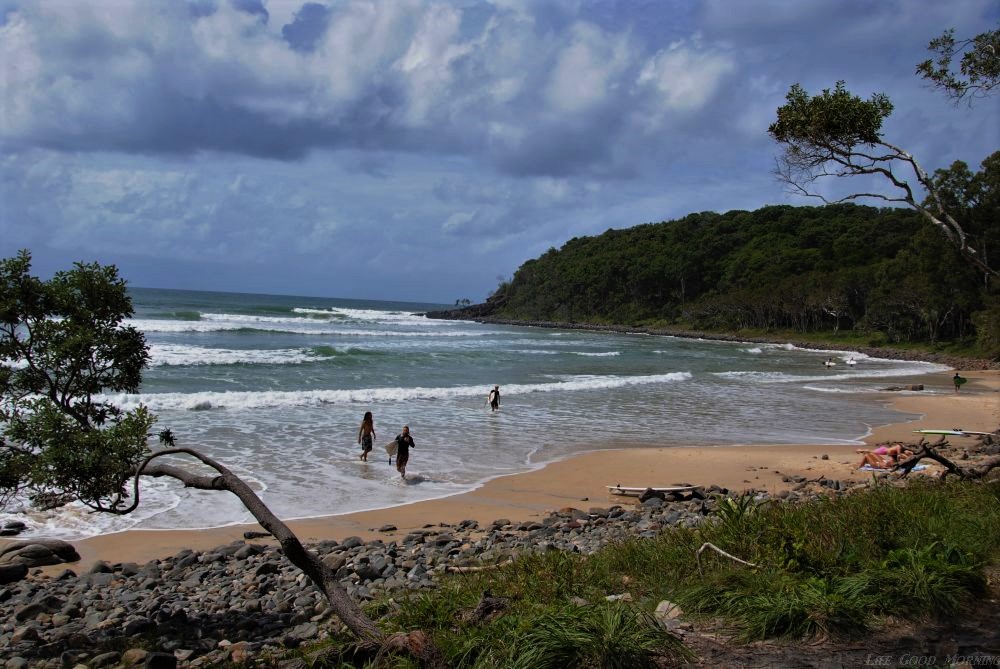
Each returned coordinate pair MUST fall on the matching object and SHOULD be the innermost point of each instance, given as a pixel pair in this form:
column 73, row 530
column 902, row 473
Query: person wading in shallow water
column 366, row 435
column 404, row 442
column 494, row 398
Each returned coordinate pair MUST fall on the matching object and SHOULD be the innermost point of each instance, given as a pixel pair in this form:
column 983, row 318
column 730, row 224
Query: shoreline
column 581, row 481
column 954, row 361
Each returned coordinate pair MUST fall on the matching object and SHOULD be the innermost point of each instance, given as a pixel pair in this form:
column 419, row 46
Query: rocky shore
column 245, row 604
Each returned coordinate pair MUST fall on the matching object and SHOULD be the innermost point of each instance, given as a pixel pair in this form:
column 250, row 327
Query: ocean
column 275, row 387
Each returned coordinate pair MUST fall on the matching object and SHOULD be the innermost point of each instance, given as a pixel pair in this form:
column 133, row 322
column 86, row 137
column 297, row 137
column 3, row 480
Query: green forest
column 883, row 274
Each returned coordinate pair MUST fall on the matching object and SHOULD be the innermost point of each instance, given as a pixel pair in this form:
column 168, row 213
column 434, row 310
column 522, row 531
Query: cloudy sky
column 421, row 150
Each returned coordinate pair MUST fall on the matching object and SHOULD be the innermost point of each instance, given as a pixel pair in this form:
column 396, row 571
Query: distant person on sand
column 958, row 380
column 366, row 435
column 494, row 398
column 404, row 442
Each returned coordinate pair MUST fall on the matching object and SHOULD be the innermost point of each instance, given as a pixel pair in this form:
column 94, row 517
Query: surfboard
column 636, row 491
column 953, row 433
column 391, row 447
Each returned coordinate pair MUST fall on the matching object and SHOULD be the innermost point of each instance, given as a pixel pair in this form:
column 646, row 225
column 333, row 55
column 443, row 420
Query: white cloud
column 685, row 78
column 585, row 70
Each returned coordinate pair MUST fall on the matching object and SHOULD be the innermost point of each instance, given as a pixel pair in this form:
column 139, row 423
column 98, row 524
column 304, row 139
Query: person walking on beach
column 366, row 435
column 958, row 380
column 404, row 442
column 494, row 398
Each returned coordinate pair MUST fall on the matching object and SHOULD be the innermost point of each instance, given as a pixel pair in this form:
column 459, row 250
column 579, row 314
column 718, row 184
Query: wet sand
column 581, row 481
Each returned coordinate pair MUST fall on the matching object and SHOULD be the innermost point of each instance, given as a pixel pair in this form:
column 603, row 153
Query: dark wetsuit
column 494, row 399
column 403, row 446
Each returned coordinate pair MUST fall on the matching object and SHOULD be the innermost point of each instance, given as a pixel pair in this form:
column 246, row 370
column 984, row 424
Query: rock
column 387, row 528
column 335, row 561
column 46, row 501
column 11, row 573
column 352, row 542
column 100, row 567
column 160, row 661
column 667, row 613
column 134, row 656
column 38, row 552
column 104, row 660
column 255, row 535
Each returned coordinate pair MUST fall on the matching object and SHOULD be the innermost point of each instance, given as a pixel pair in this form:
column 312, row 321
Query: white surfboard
column 953, row 433
column 636, row 491
column 391, row 448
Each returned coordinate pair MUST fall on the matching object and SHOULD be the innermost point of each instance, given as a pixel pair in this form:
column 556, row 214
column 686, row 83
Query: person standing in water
column 494, row 398
column 366, row 435
column 404, row 442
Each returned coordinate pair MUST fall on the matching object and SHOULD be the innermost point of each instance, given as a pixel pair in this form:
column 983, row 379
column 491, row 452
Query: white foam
column 607, row 354
column 263, row 399
column 373, row 316
column 176, row 354
column 305, row 326
column 904, row 369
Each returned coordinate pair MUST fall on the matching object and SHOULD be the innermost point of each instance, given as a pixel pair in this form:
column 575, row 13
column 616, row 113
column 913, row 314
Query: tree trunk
column 416, row 644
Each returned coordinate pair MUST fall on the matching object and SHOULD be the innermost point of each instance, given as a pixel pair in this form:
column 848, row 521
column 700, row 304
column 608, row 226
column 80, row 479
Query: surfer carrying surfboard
column 958, row 380
column 404, row 442
column 494, row 398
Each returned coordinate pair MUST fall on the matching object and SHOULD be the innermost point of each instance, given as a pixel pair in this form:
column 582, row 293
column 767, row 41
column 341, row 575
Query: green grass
column 831, row 566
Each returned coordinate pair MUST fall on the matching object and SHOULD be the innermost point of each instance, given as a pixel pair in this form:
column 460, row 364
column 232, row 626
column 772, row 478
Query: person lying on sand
column 882, row 456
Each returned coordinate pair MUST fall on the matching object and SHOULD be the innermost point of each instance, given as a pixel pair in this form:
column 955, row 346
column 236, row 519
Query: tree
column 978, row 70
column 837, row 134
column 62, row 343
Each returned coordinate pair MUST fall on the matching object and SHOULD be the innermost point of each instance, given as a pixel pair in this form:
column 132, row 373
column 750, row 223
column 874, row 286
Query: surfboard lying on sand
column 953, row 433
column 636, row 491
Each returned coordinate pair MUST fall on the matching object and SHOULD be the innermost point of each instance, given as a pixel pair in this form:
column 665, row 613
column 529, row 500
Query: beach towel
column 869, row 468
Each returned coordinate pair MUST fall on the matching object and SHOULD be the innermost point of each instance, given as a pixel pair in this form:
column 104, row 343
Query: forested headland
column 879, row 276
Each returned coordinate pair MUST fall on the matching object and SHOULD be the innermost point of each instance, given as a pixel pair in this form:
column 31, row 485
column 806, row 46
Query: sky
column 422, row 150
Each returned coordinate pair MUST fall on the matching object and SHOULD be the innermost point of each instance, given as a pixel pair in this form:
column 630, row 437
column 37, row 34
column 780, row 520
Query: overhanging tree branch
column 836, row 134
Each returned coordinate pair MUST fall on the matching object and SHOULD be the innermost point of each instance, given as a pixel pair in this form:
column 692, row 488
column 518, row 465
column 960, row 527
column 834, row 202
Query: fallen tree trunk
column 925, row 450
column 370, row 640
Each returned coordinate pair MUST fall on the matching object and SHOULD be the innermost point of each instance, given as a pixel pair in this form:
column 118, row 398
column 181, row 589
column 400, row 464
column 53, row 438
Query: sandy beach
column 582, row 481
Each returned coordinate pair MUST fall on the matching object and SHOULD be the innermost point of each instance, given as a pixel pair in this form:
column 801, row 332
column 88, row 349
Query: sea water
column 274, row 388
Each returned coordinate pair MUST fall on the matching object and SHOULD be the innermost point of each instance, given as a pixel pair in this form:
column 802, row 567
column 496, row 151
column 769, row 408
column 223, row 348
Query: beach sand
column 581, row 481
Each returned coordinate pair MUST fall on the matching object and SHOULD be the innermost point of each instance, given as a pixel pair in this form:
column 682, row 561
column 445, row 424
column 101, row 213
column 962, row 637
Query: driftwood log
column 925, row 450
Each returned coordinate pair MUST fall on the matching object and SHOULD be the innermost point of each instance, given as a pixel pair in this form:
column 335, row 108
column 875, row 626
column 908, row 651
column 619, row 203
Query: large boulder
column 38, row 553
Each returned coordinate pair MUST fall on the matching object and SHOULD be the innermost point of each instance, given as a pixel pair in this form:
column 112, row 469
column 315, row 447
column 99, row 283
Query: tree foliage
column 62, row 343
column 838, row 135
column 978, row 66
column 809, row 269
